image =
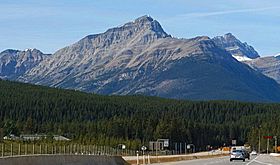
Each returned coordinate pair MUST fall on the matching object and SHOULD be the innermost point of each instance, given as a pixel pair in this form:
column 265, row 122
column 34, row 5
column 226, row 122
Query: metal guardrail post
column 11, row 149
column 19, row 149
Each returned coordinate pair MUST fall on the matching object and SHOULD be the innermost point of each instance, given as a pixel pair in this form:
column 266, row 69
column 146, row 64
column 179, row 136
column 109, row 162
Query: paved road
column 255, row 160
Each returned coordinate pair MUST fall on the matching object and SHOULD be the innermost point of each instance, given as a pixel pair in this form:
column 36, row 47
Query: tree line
column 133, row 120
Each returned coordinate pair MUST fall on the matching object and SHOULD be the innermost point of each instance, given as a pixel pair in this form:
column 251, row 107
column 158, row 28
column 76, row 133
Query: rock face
column 240, row 51
column 269, row 66
column 140, row 58
column 14, row 63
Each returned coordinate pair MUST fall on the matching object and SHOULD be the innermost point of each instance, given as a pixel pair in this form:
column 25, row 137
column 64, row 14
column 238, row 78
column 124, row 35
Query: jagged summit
column 148, row 22
column 144, row 25
column 14, row 63
column 229, row 35
column 144, row 18
column 240, row 51
column 15, row 52
column 31, row 49
column 11, row 52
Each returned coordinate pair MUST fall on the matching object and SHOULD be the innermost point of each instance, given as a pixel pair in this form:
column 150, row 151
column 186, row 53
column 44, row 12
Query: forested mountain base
column 133, row 120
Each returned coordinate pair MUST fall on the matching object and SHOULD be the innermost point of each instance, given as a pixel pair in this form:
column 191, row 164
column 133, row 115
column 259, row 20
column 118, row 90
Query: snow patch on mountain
column 277, row 55
column 242, row 58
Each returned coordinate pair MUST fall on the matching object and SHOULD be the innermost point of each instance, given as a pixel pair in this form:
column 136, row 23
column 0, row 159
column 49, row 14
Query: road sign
column 166, row 143
column 188, row 146
column 121, row 146
column 267, row 137
column 143, row 148
column 233, row 142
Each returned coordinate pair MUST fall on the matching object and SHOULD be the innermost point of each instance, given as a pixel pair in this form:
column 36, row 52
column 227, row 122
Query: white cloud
column 215, row 13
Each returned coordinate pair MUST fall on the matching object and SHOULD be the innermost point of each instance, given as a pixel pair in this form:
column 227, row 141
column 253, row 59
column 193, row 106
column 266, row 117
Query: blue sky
column 49, row 25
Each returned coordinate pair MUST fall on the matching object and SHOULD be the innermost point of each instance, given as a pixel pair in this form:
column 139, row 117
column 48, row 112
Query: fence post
column 11, row 149
column 180, row 148
column 26, row 152
column 3, row 147
column 78, row 148
column 33, row 149
column 185, row 148
column 19, row 149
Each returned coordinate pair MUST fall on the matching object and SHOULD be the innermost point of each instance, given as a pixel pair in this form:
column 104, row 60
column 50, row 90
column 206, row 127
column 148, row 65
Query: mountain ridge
column 14, row 63
column 141, row 58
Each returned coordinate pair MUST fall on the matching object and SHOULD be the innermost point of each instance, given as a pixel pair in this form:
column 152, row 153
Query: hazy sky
column 49, row 25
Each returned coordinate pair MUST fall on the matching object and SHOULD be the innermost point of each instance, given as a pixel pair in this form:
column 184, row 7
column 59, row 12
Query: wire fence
column 12, row 149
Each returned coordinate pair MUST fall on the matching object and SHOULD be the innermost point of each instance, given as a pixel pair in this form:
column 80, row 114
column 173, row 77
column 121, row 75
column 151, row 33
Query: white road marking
column 217, row 161
column 262, row 162
column 255, row 160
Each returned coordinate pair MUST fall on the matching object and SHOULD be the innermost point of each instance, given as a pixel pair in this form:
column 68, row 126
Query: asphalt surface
column 255, row 160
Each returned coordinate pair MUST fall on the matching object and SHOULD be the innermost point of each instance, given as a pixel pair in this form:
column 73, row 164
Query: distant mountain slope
column 240, row 51
column 269, row 66
column 14, row 63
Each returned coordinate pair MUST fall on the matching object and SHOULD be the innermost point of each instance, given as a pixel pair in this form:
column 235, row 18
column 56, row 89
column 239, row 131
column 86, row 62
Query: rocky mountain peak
column 144, row 18
column 146, row 23
column 14, row 63
column 149, row 23
column 10, row 52
column 142, row 30
column 240, row 51
column 229, row 36
column 32, row 50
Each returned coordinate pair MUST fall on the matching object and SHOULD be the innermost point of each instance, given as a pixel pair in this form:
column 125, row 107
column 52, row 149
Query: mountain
column 240, row 51
column 14, row 63
column 269, row 66
column 141, row 58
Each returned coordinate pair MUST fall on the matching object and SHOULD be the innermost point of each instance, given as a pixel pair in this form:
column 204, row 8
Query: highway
column 255, row 160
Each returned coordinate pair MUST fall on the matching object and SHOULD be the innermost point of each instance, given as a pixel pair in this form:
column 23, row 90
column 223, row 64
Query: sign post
column 137, row 157
column 275, row 138
column 144, row 148
column 233, row 142
column 267, row 145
